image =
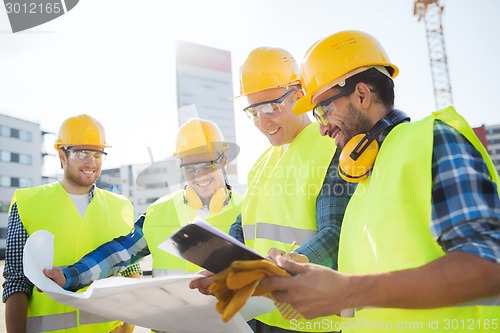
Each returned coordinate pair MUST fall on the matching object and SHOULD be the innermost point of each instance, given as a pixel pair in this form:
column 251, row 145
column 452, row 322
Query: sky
column 115, row 60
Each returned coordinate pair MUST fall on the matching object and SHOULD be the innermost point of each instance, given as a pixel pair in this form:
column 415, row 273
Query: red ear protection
column 219, row 199
column 359, row 154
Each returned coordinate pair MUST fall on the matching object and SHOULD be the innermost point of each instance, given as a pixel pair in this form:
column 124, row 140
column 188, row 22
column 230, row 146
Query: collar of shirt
column 386, row 131
column 92, row 193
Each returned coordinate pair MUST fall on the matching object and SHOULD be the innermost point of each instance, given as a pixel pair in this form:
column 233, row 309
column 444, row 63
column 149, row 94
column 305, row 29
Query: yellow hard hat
column 333, row 59
column 198, row 136
column 266, row 68
column 81, row 130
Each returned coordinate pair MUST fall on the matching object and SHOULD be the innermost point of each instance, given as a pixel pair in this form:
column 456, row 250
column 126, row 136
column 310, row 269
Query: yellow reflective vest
column 279, row 206
column 386, row 228
column 168, row 214
column 49, row 207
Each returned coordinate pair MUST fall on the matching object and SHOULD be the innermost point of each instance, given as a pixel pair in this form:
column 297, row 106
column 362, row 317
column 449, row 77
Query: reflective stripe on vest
column 50, row 208
column 51, row 322
column 386, row 226
column 280, row 205
column 62, row 321
column 276, row 232
column 89, row 318
column 167, row 214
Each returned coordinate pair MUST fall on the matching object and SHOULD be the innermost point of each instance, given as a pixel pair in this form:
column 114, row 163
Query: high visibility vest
column 167, row 215
column 279, row 206
column 386, row 228
column 49, row 207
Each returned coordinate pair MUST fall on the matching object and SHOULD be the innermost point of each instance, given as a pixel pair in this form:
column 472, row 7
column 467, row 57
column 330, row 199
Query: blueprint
column 164, row 303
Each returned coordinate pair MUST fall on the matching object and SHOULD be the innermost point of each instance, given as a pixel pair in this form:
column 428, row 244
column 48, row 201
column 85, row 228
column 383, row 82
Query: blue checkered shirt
column 323, row 248
column 15, row 280
column 331, row 203
column 465, row 213
column 465, row 203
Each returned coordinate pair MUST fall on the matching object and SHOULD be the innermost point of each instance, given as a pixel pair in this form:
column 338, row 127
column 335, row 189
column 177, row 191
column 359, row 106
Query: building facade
column 20, row 163
column 493, row 139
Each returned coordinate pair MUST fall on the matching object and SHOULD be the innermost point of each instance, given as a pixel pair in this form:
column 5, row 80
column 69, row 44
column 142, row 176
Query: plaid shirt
column 465, row 203
column 323, row 248
column 465, row 210
column 331, row 203
column 108, row 259
column 111, row 257
column 15, row 281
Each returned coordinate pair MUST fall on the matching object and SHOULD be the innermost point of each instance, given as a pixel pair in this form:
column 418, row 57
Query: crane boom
column 430, row 11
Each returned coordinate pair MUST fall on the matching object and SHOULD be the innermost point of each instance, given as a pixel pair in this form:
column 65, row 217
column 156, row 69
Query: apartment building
column 20, row 163
column 493, row 140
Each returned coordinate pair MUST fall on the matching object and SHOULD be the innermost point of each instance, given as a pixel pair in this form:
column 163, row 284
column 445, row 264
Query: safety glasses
column 192, row 169
column 86, row 155
column 268, row 108
column 322, row 109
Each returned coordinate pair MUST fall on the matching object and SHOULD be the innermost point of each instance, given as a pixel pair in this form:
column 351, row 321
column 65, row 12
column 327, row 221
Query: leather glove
column 233, row 286
column 124, row 328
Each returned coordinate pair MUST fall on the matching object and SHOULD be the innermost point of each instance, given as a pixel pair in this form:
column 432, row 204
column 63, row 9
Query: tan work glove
column 233, row 286
column 124, row 328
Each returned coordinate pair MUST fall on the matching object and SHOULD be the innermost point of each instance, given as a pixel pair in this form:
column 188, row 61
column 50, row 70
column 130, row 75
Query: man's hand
column 202, row 284
column 56, row 275
column 311, row 290
column 297, row 257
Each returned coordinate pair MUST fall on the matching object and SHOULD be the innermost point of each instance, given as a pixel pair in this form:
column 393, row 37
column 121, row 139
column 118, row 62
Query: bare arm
column 455, row 278
column 16, row 313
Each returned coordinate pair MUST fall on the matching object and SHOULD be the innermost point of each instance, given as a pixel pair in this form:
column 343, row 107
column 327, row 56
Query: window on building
column 493, row 142
column 25, row 182
column 14, row 133
column 4, row 131
column 25, row 136
column 4, row 206
column 14, row 182
column 4, row 181
column 25, row 159
column 4, row 156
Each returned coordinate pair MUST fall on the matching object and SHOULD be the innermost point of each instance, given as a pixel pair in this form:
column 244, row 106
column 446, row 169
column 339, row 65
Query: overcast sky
column 115, row 60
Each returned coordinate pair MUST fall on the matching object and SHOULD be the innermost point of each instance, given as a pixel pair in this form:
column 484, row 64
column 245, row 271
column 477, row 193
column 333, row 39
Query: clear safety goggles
column 191, row 169
column 268, row 108
column 323, row 109
column 86, row 155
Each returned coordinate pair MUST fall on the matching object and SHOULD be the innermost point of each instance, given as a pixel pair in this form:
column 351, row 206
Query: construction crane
column 430, row 11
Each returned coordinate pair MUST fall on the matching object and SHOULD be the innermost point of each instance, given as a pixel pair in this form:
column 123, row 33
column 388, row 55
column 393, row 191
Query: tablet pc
column 208, row 247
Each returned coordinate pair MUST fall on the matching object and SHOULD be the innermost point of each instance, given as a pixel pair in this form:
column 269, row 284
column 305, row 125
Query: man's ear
column 62, row 157
column 364, row 95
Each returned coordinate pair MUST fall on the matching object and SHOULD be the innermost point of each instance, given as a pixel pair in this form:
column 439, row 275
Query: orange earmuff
column 192, row 198
column 219, row 199
column 356, row 170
